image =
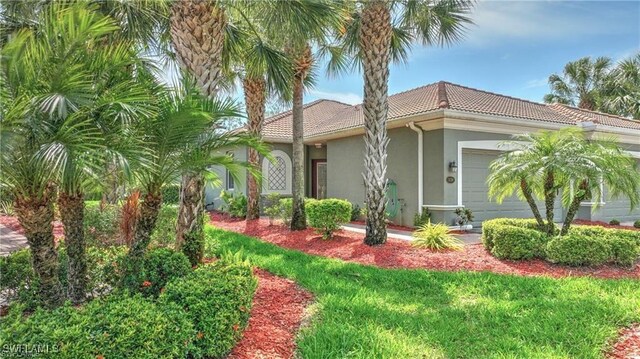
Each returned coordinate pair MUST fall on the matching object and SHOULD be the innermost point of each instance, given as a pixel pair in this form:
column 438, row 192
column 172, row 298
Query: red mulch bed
column 628, row 344
column 13, row 224
column 277, row 313
column 604, row 224
column 397, row 253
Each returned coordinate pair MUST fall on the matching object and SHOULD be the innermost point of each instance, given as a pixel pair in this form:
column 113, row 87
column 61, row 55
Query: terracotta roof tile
column 324, row 116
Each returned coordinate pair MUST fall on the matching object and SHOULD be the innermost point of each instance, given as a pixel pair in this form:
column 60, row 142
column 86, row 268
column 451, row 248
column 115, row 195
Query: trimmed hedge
column 327, row 215
column 511, row 242
column 217, row 299
column 114, row 327
column 516, row 239
column 162, row 265
column 578, row 250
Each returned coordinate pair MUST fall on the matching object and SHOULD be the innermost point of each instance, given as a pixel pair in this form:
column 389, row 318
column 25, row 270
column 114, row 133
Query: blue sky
column 512, row 48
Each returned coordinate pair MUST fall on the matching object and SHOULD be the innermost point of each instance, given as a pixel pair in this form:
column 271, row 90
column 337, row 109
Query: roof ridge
column 305, row 106
column 443, row 99
column 415, row 88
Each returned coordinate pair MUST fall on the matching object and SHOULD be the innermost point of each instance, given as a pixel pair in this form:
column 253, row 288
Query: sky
column 511, row 49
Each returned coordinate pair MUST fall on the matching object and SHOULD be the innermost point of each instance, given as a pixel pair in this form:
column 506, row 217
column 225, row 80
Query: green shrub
column 235, row 204
column 101, row 225
column 464, row 216
column 217, row 298
column 171, row 195
column 435, row 236
column 614, row 222
column 422, row 218
column 18, row 279
column 164, row 235
column 161, row 265
column 286, row 210
column 114, row 327
column 489, row 227
column 516, row 243
column 327, row 215
column 625, row 250
column 579, row 250
column 636, row 224
column 355, row 212
column 272, row 207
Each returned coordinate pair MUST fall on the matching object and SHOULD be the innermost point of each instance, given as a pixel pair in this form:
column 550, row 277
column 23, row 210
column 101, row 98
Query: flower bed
column 604, row 224
column 400, row 254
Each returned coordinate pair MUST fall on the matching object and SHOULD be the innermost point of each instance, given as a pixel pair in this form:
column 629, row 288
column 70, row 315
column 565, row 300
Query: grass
column 368, row 312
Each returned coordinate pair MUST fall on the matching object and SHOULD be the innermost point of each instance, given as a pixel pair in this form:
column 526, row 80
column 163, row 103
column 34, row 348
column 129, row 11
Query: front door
column 319, row 178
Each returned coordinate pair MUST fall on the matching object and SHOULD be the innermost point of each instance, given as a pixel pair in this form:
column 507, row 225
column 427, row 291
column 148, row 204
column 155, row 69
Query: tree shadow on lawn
column 366, row 311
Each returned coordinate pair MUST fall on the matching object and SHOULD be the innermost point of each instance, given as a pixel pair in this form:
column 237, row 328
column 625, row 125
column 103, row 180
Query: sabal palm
column 622, row 89
column 376, row 33
column 62, row 87
column 580, row 84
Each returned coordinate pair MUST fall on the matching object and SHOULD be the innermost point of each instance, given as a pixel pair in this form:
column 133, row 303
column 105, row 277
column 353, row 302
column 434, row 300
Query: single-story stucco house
column 442, row 138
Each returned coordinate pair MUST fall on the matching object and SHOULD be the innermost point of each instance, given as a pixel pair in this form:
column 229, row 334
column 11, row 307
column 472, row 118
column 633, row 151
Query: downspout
column 412, row 126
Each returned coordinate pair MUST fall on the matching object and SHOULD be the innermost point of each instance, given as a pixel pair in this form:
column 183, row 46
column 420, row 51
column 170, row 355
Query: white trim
column 634, row 154
column 442, row 207
column 490, row 145
column 265, row 173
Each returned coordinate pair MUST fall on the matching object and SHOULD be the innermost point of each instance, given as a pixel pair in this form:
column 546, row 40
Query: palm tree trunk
column 197, row 35
column 302, row 65
column 528, row 195
column 190, row 231
column 255, row 99
column 573, row 208
column 549, row 201
column 144, row 227
column 72, row 213
column 35, row 216
column 375, row 42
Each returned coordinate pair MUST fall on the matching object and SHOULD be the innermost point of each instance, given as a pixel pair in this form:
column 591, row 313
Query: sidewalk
column 10, row 241
column 467, row 238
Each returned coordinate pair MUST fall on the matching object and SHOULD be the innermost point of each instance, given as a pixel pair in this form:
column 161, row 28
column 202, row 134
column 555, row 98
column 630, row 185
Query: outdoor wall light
column 318, row 145
column 453, row 166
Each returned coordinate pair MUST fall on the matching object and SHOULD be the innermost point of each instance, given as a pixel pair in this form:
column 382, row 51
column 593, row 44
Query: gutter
column 412, row 126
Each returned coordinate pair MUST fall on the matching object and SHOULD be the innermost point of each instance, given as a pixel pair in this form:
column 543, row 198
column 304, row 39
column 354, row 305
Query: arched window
column 276, row 174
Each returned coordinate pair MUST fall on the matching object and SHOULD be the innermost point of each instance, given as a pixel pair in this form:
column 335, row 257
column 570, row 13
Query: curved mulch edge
column 627, row 345
column 278, row 312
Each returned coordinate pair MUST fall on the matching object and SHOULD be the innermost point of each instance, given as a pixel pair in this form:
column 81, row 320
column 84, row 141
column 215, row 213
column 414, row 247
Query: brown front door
column 319, row 178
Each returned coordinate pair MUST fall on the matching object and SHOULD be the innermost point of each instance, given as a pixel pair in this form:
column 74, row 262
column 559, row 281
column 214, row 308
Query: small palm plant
column 436, row 237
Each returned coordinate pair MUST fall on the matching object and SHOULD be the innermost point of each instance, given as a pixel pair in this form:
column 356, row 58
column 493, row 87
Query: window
column 230, row 183
column 276, row 174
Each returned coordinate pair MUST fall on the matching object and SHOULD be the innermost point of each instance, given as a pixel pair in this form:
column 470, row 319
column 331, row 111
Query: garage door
column 619, row 208
column 475, row 165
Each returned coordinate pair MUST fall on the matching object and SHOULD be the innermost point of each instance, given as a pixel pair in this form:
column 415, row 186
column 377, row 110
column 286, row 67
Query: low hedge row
column 198, row 314
column 518, row 239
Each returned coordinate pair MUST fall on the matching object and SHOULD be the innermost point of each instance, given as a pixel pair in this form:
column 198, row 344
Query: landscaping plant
column 636, row 224
column 436, row 237
column 356, row 212
column 614, row 222
column 235, row 204
column 327, row 215
column 422, row 218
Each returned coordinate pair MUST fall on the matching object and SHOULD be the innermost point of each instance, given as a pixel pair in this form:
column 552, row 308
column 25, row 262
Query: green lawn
column 368, row 312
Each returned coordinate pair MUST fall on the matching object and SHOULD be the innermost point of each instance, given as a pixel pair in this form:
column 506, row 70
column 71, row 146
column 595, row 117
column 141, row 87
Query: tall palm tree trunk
column 302, row 65
column 72, row 213
column 255, row 99
column 35, row 216
column 197, row 35
column 190, row 229
column 375, row 42
column 145, row 225
column 574, row 207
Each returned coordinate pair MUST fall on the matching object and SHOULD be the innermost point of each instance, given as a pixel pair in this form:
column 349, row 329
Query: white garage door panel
column 475, row 170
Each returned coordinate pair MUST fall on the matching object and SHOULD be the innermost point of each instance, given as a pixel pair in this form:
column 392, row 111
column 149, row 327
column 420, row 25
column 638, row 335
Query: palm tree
column 622, row 90
column 44, row 82
column 183, row 137
column 548, row 162
column 376, row 33
column 581, row 83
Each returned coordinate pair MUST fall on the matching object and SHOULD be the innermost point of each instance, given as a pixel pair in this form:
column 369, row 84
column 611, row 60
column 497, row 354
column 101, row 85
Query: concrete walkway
column 467, row 238
column 10, row 241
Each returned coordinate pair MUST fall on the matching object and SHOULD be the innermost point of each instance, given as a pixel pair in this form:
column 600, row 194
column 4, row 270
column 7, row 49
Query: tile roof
column 279, row 127
column 324, row 116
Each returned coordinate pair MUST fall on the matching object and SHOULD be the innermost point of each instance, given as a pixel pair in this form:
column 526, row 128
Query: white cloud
column 536, row 83
column 539, row 20
column 346, row 97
